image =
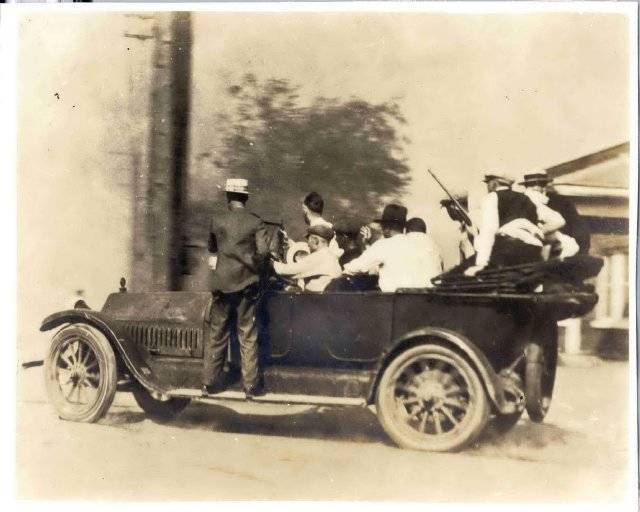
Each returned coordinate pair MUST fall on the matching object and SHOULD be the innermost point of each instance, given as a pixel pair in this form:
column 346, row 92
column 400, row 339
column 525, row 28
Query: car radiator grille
column 170, row 341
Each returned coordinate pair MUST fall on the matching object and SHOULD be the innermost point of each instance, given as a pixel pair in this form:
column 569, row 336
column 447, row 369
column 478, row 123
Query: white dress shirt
column 404, row 261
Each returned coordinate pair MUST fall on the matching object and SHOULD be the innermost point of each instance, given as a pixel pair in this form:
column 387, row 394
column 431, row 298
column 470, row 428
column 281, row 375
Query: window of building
column 612, row 286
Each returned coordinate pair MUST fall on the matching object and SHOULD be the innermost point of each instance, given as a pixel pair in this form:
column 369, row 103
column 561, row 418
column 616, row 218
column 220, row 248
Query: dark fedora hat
column 535, row 178
column 393, row 214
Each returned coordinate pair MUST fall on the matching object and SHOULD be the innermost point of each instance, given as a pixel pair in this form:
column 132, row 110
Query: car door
column 340, row 328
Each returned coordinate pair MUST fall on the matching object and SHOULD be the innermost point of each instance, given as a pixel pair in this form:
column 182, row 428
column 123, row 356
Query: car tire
column 431, row 398
column 80, row 374
column 158, row 408
column 539, row 381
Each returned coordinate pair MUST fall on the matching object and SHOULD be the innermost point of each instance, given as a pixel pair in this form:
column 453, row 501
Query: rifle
column 465, row 215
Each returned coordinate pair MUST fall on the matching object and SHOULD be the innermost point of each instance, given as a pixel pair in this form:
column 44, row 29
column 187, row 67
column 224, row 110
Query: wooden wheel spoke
column 80, row 389
column 87, row 357
column 411, row 400
column 448, row 413
column 436, row 422
column 408, row 389
column 93, row 364
column 93, row 376
column 456, row 390
column 455, row 404
column 423, row 422
column 65, row 359
column 67, row 396
column 74, row 349
column 80, row 355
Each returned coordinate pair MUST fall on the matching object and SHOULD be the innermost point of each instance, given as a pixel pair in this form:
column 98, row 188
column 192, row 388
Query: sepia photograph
column 345, row 252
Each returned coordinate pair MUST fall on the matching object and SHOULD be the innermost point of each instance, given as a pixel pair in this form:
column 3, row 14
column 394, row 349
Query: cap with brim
column 535, row 178
column 237, row 186
column 498, row 177
column 321, row 230
column 393, row 214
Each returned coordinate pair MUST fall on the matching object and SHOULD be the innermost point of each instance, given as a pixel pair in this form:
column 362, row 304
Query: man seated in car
column 318, row 268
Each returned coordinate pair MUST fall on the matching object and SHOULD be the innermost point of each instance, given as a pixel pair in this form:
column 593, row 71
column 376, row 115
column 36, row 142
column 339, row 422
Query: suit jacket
column 575, row 226
column 233, row 235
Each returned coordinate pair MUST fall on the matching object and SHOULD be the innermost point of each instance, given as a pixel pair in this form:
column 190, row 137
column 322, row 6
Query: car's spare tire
column 158, row 407
column 431, row 398
column 80, row 373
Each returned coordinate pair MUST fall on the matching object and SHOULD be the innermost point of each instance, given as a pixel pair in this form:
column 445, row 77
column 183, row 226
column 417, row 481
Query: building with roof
column 598, row 185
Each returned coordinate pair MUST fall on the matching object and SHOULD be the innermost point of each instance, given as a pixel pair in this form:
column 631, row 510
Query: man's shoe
column 212, row 389
column 253, row 391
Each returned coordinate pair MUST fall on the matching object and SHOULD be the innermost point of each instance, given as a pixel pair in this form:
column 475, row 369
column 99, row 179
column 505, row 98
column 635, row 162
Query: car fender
column 108, row 327
column 490, row 379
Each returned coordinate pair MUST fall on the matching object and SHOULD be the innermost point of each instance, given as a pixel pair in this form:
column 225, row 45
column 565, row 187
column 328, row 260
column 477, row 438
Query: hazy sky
column 508, row 92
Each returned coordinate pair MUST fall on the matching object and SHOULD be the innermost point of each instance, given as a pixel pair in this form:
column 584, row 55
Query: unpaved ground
column 251, row 451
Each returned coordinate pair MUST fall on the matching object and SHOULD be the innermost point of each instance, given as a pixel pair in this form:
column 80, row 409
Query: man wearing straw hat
column 510, row 230
column 234, row 241
column 574, row 236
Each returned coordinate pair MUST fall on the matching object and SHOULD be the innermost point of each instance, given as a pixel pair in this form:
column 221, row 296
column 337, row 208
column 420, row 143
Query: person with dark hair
column 313, row 205
column 573, row 238
column 312, row 208
column 425, row 253
column 235, row 240
column 398, row 264
column 416, row 225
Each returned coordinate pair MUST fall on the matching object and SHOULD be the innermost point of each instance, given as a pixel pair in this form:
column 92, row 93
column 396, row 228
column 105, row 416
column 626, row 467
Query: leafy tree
column 348, row 151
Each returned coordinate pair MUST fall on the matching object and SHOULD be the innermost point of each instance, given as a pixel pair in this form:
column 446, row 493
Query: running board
column 274, row 398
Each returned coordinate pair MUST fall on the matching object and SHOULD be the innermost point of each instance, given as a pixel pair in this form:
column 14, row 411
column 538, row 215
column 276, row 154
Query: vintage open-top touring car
column 438, row 363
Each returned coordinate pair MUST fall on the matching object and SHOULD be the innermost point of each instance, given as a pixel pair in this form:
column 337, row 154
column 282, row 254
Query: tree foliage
column 348, row 151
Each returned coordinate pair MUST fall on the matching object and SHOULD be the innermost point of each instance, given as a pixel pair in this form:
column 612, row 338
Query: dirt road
column 251, row 451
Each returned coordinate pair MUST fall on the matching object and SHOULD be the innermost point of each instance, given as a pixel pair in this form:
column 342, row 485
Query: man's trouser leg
column 509, row 251
column 248, row 338
column 215, row 349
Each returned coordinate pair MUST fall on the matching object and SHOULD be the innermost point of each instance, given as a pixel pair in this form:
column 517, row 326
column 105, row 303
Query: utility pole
column 159, row 147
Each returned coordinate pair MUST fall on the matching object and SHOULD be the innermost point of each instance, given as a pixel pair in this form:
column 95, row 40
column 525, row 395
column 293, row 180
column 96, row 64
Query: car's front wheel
column 80, row 374
column 431, row 398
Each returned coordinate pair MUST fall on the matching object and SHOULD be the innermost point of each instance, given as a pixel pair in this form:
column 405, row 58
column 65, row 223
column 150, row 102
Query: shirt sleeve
column 294, row 268
column 489, row 226
column 550, row 220
column 372, row 257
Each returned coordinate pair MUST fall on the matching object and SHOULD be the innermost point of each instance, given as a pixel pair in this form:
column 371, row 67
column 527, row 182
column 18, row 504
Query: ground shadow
column 354, row 424
column 335, row 423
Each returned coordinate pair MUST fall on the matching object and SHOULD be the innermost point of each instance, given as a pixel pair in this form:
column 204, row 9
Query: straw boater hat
column 502, row 178
column 237, row 185
column 536, row 178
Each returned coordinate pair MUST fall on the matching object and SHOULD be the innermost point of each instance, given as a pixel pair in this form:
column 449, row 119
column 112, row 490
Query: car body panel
column 334, row 343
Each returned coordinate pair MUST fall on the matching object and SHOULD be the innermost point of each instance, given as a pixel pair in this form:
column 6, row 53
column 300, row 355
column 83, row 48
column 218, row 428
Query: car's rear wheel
column 540, row 375
column 431, row 398
column 158, row 407
column 539, row 382
column 80, row 374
